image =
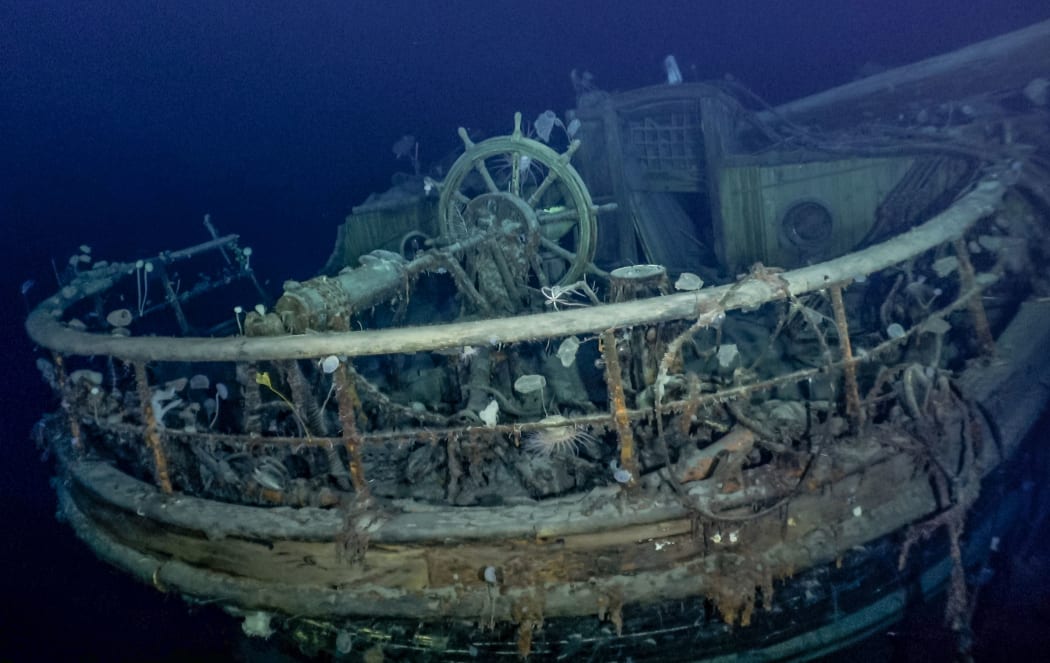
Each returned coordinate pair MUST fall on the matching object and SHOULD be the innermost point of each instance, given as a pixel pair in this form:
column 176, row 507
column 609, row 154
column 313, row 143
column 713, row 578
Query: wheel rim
column 549, row 194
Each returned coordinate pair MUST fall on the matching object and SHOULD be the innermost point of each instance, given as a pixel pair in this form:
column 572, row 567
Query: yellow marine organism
column 263, row 378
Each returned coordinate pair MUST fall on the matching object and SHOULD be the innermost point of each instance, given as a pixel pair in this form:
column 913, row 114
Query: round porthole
column 807, row 225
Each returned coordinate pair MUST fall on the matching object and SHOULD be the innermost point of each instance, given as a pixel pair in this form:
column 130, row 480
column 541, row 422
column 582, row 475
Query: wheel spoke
column 515, row 174
column 483, row 170
column 544, row 218
column 537, row 269
column 542, row 188
column 562, row 253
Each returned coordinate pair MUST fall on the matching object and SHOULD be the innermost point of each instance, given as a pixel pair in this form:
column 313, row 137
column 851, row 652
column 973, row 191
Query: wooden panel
column 667, row 234
column 755, row 198
column 283, row 561
column 719, row 137
column 382, row 226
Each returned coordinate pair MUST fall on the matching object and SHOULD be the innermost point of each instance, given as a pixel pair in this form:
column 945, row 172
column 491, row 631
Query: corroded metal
column 968, row 281
column 618, row 407
column 346, row 394
column 151, row 430
column 849, row 367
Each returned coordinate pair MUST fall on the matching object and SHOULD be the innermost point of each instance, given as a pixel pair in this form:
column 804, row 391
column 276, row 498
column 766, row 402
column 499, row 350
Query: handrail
column 45, row 327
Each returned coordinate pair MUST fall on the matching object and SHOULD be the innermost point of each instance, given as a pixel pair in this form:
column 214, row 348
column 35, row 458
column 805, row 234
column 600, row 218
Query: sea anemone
column 559, row 437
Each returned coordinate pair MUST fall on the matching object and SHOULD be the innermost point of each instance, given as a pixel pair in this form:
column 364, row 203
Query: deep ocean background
column 122, row 123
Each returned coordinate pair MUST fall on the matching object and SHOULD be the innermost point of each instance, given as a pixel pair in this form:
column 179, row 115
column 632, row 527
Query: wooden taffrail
column 46, row 327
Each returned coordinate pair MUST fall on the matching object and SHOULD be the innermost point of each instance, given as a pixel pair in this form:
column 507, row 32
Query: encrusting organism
column 560, row 438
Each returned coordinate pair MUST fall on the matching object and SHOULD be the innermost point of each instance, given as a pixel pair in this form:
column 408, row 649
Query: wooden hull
column 599, row 566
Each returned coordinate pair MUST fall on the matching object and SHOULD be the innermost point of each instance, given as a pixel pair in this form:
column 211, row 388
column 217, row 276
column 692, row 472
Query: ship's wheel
column 522, row 182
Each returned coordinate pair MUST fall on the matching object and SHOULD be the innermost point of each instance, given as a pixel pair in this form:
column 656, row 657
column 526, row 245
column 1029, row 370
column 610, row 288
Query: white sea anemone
column 329, row 364
column 489, row 415
column 560, row 437
column 257, row 624
column 467, row 353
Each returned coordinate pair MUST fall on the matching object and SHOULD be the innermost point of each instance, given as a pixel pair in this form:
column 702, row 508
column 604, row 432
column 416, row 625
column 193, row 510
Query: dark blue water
column 122, row 123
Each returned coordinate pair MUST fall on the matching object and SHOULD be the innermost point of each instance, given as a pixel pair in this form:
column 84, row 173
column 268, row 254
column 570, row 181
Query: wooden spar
column 45, row 327
column 1007, row 61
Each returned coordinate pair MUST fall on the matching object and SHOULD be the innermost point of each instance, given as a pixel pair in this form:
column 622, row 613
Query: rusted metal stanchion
column 152, row 430
column 969, row 284
column 173, row 300
column 849, row 368
column 248, row 377
column 346, row 393
column 618, row 403
column 62, row 380
column 244, row 269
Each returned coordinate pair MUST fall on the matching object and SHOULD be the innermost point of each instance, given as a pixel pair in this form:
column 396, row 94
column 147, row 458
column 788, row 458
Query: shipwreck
column 676, row 375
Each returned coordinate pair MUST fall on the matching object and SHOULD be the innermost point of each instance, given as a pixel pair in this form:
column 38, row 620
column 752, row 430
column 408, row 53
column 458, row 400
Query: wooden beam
column 45, row 325
column 1006, row 62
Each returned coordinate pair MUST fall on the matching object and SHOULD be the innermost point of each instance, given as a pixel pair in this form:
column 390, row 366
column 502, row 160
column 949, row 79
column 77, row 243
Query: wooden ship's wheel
column 520, row 182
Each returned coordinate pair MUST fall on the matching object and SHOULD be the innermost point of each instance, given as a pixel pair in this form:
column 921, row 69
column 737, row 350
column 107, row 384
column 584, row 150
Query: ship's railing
column 299, row 419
